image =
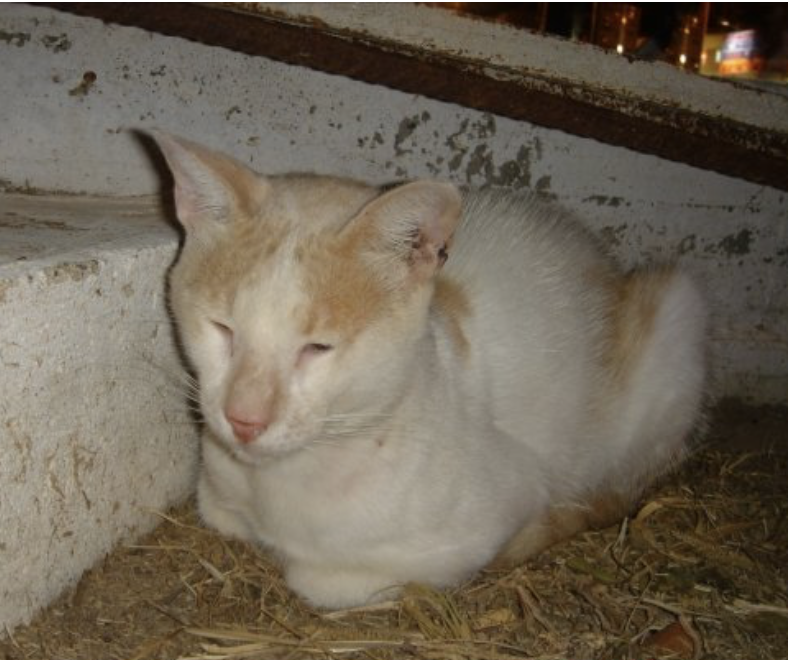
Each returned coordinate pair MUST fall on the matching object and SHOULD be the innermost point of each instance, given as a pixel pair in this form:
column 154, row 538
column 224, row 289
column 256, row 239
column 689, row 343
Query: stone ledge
column 95, row 434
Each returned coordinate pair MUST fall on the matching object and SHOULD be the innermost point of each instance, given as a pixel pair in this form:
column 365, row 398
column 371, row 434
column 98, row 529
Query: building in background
column 747, row 40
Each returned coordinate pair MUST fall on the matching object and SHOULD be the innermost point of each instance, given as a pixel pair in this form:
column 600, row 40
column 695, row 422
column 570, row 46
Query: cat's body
column 376, row 416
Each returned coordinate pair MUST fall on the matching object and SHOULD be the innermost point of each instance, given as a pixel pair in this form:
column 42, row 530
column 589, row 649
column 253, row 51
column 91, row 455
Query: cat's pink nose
column 246, row 430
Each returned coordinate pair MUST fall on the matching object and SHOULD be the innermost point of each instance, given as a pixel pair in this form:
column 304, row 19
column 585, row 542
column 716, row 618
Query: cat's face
column 300, row 300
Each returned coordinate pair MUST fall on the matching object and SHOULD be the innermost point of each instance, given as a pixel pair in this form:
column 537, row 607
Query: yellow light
column 620, row 49
column 683, row 59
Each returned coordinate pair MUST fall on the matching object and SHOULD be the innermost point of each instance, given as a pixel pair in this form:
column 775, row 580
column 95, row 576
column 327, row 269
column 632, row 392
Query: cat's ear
column 411, row 225
column 210, row 187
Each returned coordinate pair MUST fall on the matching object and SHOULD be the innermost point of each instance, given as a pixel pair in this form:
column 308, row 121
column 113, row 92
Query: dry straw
column 698, row 572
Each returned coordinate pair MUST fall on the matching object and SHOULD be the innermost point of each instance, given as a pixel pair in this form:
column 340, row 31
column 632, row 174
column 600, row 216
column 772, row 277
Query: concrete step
column 95, row 433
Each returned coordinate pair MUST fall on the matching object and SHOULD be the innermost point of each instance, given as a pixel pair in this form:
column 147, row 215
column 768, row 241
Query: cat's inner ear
column 414, row 223
column 210, row 187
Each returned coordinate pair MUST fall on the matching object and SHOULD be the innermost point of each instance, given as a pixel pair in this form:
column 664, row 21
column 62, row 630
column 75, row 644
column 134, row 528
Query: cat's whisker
column 354, row 433
column 173, row 371
column 354, row 423
column 184, row 422
column 372, row 422
column 189, row 413
column 364, row 415
column 185, row 410
column 180, row 381
column 324, row 443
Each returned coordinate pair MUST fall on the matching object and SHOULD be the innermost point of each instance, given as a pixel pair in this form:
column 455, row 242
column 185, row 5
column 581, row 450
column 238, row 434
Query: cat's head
column 302, row 302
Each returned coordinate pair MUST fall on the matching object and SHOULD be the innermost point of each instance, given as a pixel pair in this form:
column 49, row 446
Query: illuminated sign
column 741, row 54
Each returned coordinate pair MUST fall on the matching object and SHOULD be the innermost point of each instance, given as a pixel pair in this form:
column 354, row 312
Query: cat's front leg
column 335, row 588
column 221, row 496
column 216, row 514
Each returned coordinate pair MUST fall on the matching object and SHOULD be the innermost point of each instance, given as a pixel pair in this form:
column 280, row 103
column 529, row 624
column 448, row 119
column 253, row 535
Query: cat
column 408, row 384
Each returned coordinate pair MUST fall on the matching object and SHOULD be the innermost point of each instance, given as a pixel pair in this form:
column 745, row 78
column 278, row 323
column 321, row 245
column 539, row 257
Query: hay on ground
column 699, row 572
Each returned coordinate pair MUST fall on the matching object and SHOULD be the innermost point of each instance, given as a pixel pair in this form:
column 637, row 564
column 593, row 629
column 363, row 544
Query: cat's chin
column 260, row 451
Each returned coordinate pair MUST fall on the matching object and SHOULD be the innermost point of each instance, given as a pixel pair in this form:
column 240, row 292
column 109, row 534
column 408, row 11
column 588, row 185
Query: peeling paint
column 234, row 110
column 614, row 236
column 59, row 43
column 538, row 148
column 737, row 244
column 17, row 39
column 514, row 173
column 406, row 128
column 688, row 244
column 485, row 127
column 374, row 141
column 480, row 160
column 543, row 184
column 605, row 200
column 473, row 156
column 456, row 143
column 456, row 161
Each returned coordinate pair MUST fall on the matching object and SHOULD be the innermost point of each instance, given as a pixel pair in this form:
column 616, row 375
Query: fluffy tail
column 661, row 372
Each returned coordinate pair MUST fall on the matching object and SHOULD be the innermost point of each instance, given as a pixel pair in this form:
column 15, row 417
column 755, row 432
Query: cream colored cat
column 375, row 416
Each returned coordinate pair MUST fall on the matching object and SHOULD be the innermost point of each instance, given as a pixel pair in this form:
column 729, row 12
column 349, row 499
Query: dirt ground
column 700, row 571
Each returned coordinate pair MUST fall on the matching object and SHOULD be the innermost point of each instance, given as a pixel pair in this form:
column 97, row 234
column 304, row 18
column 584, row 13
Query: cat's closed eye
column 226, row 333
column 315, row 348
column 312, row 350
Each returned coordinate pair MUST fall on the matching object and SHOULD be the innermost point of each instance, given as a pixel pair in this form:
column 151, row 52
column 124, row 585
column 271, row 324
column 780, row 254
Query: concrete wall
column 67, row 133
column 95, row 434
column 73, row 90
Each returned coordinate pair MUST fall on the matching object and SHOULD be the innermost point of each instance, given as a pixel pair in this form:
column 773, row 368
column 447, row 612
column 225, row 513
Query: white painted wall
column 57, row 134
column 279, row 117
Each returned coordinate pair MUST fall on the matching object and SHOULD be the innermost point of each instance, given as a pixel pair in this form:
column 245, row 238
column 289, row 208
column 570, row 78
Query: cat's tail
column 660, row 372
column 656, row 367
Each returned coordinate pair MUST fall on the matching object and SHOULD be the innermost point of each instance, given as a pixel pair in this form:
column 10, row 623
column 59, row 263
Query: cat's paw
column 218, row 516
column 334, row 588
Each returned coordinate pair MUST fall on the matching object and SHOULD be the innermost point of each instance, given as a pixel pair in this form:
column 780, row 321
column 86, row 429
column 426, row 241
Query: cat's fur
column 377, row 417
